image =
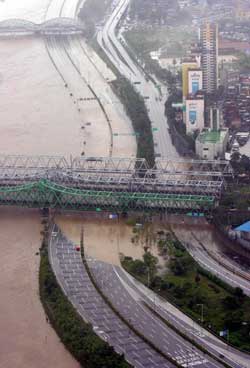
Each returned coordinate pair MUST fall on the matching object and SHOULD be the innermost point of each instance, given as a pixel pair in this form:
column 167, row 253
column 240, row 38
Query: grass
column 187, row 285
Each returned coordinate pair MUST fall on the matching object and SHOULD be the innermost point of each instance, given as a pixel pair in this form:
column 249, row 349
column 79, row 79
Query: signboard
column 194, row 81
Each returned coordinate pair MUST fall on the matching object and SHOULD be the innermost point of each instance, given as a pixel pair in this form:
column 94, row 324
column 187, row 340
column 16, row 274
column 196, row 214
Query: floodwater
column 104, row 239
column 26, row 338
column 33, row 10
column 107, row 240
column 39, row 114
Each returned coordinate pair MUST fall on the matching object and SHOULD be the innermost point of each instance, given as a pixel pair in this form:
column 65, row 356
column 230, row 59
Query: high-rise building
column 209, row 56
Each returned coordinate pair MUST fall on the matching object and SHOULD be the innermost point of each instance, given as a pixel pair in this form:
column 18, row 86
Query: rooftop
column 244, row 227
column 212, row 136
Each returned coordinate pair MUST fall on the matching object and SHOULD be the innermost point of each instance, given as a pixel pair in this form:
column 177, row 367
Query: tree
column 231, row 302
column 150, row 262
column 138, row 267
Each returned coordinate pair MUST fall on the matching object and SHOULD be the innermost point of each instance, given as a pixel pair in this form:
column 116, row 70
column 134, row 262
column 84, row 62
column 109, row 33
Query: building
column 195, row 82
column 194, row 112
column 243, row 10
column 184, row 3
column 209, row 56
column 187, row 64
column 211, row 145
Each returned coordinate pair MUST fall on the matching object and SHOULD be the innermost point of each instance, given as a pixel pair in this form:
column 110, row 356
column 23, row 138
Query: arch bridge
column 60, row 25
column 114, row 184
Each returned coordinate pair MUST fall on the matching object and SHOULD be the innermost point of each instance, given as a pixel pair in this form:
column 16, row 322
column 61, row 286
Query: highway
column 182, row 322
column 77, row 286
column 197, row 247
column 85, row 77
column 117, row 54
column 130, row 305
column 73, row 278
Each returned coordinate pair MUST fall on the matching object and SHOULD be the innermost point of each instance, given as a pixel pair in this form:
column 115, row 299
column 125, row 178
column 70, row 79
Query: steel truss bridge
column 114, row 184
column 59, row 26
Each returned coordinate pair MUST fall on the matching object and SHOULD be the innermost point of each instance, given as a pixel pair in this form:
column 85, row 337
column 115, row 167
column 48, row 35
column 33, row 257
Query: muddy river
column 39, row 116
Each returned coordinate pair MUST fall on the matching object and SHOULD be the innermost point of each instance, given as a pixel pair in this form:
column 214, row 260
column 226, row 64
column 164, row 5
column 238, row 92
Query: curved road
column 85, row 76
column 197, row 245
column 117, row 54
column 72, row 276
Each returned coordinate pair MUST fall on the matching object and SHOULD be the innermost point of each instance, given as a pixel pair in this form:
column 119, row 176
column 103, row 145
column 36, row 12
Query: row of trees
column 137, row 112
column 76, row 335
column 187, row 285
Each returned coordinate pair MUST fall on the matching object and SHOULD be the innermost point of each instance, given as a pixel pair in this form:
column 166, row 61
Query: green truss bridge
column 113, row 184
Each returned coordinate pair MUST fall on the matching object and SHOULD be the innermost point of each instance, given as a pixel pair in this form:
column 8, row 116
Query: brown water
column 37, row 115
column 26, row 339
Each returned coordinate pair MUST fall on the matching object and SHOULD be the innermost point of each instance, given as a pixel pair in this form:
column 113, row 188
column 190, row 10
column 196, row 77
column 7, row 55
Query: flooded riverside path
column 26, row 339
column 37, row 116
column 40, row 115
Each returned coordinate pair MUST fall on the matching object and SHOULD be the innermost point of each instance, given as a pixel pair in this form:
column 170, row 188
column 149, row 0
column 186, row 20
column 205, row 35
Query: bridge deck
column 113, row 184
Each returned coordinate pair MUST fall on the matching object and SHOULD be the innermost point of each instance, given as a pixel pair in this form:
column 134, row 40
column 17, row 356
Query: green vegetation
column 187, row 285
column 91, row 13
column 185, row 144
column 130, row 98
column 240, row 164
column 137, row 112
column 75, row 334
column 174, row 41
column 235, row 201
column 244, row 63
column 153, row 12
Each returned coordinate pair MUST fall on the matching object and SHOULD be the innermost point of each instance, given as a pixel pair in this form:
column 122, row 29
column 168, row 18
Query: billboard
column 194, row 114
column 194, row 81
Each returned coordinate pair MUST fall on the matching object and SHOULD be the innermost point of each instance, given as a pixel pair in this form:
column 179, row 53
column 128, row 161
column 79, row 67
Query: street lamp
column 202, row 315
column 202, row 312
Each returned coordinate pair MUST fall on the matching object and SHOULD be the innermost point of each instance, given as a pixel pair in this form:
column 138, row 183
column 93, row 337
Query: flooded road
column 26, row 339
column 43, row 111
column 37, row 115
column 40, row 113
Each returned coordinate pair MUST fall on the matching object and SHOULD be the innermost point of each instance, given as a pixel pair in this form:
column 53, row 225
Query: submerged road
column 72, row 276
column 86, row 78
column 76, row 284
